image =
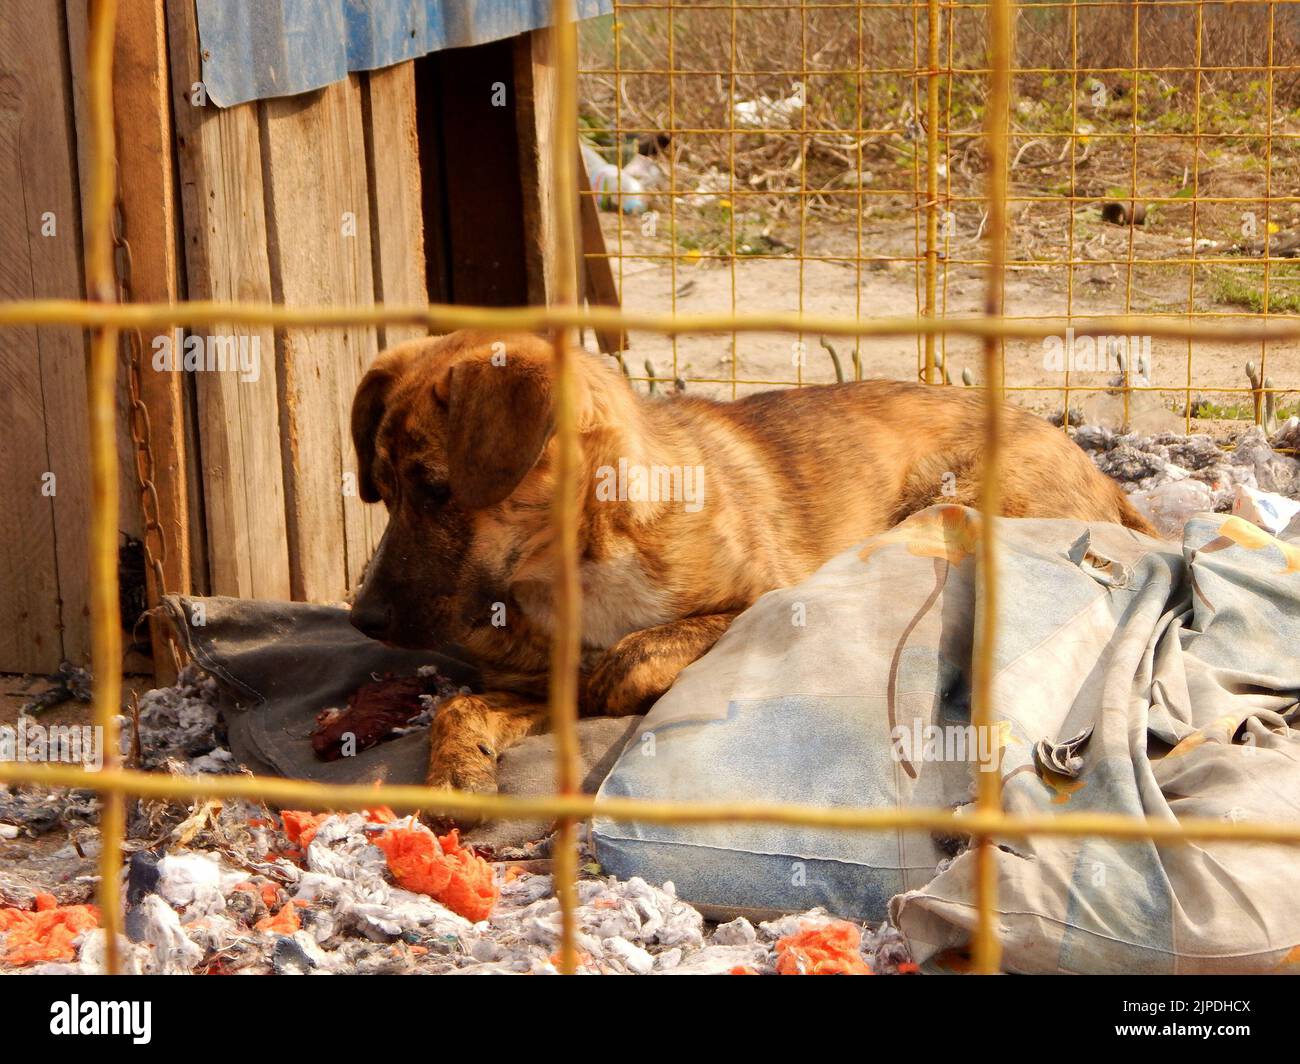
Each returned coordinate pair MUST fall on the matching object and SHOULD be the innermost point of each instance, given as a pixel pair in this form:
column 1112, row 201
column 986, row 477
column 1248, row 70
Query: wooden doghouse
column 423, row 180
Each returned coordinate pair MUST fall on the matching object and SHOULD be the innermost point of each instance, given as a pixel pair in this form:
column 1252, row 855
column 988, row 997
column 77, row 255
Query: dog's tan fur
column 455, row 436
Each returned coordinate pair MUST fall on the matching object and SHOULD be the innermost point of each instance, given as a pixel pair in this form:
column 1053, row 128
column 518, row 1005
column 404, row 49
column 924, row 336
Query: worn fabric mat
column 281, row 663
column 1133, row 676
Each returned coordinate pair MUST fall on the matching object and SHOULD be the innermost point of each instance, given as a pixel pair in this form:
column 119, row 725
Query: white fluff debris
column 174, row 953
column 719, row 960
column 197, row 882
column 621, row 925
column 630, row 956
column 197, row 911
column 182, row 723
column 775, row 930
column 740, row 932
column 348, row 873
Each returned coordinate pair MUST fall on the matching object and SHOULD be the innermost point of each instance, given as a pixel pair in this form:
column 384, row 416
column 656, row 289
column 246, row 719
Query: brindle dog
column 455, row 435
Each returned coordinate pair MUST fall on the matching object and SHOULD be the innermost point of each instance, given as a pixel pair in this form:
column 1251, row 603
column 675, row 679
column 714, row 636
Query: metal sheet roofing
column 253, row 49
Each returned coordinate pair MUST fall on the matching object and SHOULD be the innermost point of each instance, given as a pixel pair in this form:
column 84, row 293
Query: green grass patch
column 1208, row 409
column 1243, row 286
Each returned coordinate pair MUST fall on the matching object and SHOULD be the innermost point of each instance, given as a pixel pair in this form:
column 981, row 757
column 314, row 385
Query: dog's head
column 454, row 435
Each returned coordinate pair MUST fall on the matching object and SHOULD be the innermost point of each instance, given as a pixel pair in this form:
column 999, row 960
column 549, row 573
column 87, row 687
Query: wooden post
column 144, row 153
column 393, row 173
column 44, row 474
column 596, row 272
column 226, row 258
column 535, row 118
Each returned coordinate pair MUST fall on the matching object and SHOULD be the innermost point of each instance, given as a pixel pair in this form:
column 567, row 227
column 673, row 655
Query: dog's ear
column 367, row 411
column 500, row 414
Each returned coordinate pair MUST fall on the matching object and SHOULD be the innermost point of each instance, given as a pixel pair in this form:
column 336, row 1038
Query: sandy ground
column 710, row 364
column 15, row 690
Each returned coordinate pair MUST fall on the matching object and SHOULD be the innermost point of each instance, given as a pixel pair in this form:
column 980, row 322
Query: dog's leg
column 641, row 666
column 470, row 731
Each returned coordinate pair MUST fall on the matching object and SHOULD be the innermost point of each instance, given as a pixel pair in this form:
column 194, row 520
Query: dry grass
column 865, row 110
column 831, row 212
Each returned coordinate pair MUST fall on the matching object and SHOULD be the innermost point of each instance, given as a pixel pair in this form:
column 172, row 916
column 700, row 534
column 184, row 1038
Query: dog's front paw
column 461, row 751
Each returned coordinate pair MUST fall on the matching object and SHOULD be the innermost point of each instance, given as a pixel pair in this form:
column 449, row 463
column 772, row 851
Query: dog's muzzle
column 374, row 619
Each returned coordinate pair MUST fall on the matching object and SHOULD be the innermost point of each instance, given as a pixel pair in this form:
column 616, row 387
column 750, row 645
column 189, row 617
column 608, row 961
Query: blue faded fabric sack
column 1153, row 680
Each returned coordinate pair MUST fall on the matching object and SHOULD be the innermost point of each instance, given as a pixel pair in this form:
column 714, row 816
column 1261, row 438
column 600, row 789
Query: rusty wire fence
column 830, row 157
column 930, row 329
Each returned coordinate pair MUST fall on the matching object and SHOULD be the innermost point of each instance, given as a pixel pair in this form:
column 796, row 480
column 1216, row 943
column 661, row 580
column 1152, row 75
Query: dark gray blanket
column 280, row 663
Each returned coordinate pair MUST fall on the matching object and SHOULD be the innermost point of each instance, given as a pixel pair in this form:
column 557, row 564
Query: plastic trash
column 1169, row 506
column 1267, row 509
column 764, row 112
column 607, row 181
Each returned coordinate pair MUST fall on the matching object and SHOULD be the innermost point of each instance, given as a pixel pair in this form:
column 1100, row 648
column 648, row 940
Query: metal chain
column 155, row 553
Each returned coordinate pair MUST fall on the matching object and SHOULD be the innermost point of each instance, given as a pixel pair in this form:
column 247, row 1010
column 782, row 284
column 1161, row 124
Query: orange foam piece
column 46, row 933
column 285, row 922
column 828, row 949
column 301, row 827
column 441, row 868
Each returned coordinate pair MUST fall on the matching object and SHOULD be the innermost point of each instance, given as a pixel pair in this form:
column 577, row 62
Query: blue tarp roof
column 253, row 49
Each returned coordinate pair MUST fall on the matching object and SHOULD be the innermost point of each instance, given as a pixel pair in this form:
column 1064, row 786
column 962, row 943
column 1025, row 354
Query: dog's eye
column 434, row 494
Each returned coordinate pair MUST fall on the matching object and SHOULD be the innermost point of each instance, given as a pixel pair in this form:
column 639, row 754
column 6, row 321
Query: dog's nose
column 372, row 619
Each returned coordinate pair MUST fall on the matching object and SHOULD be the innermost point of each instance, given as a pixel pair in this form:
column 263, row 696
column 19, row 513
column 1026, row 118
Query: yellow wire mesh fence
column 835, row 157
column 953, row 117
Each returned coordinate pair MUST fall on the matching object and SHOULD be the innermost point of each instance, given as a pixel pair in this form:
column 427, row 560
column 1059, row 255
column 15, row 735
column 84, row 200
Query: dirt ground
column 17, row 689
column 710, row 364
column 30, row 861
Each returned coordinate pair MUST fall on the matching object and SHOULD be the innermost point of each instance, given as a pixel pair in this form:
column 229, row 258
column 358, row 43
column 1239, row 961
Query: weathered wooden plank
column 226, row 259
column 29, row 576
column 363, row 524
column 535, row 116
column 319, row 244
column 43, row 559
column 594, row 267
column 130, row 520
column 393, row 169
column 396, row 210
column 145, row 160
